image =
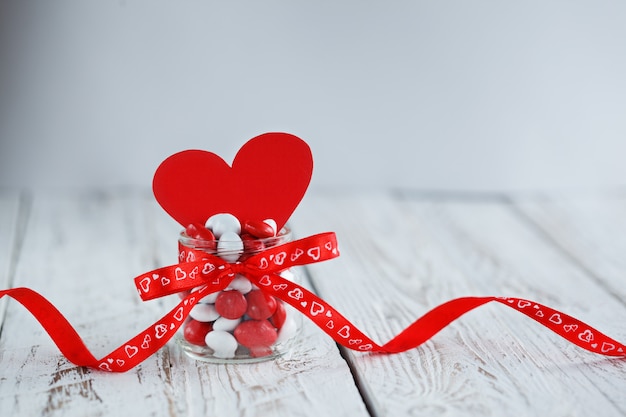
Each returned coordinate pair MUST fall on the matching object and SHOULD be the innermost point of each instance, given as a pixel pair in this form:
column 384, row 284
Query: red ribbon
column 211, row 273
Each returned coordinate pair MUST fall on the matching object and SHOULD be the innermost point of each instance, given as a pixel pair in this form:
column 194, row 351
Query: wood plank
column 82, row 251
column 589, row 226
column 401, row 258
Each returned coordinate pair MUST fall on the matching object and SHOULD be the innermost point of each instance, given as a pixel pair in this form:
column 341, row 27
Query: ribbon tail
column 432, row 323
column 571, row 329
column 55, row 324
column 346, row 334
column 148, row 342
column 566, row 326
column 70, row 344
column 328, row 319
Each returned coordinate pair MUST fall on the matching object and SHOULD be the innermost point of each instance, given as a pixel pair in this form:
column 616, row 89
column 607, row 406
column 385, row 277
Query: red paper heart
column 268, row 178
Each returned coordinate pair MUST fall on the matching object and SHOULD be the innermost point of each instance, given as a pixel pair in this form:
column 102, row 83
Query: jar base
column 208, row 358
column 205, row 354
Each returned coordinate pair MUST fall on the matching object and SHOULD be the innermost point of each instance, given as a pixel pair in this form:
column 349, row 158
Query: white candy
column 230, row 247
column 288, row 275
column 227, row 325
column 272, row 224
column 204, row 312
column 223, row 344
column 207, row 299
column 290, row 327
column 222, row 223
column 210, row 299
column 241, row 284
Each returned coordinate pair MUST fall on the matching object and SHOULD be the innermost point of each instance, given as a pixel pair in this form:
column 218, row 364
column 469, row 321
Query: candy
column 222, row 223
column 231, row 304
column 286, row 332
column 260, row 306
column 229, row 247
column 241, row 284
column 195, row 332
column 207, row 299
column 227, row 325
column 258, row 229
column 279, row 316
column 204, row 312
column 198, row 231
column 260, row 351
column 273, row 225
column 255, row 333
column 288, row 275
column 242, row 314
column 252, row 245
column 210, row 299
column 222, row 343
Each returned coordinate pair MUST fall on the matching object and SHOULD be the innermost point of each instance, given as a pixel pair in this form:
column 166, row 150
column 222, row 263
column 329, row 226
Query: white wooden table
column 401, row 254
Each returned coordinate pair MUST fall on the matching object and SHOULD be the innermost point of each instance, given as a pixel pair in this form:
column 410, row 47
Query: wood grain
column 403, row 256
column 591, row 229
column 82, row 251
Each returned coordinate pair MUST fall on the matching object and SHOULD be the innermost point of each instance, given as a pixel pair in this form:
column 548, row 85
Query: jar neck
column 252, row 246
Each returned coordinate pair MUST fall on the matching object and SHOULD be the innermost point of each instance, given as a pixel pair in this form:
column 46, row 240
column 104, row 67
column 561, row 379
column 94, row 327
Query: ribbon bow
column 211, row 274
column 198, row 268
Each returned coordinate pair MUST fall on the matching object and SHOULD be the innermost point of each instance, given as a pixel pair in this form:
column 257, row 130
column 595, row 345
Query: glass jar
column 239, row 324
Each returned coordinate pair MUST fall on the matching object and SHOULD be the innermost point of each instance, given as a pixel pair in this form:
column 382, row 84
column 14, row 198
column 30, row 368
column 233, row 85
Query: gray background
column 452, row 95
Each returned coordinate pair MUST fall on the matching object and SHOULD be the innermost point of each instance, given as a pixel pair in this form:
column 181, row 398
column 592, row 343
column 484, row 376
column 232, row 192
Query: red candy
column 260, row 351
column 251, row 244
column 260, row 306
column 279, row 316
column 256, row 334
column 231, row 304
column 199, row 232
column 195, row 332
column 258, row 229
